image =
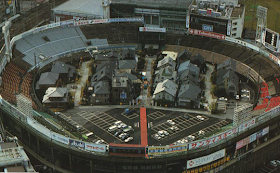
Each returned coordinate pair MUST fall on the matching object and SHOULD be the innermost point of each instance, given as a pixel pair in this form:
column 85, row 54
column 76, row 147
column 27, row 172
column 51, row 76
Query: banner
column 159, row 150
column 212, row 140
column 42, row 129
column 59, row 138
column 229, row 27
column 246, row 125
column 78, row 144
column 151, row 29
column 95, row 147
column 207, row 34
column 138, row 19
column 188, row 21
column 206, row 159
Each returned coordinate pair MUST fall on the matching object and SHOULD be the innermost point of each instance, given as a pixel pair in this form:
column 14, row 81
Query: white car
column 200, row 117
column 157, row 137
column 223, row 99
column 171, row 122
column 121, row 135
column 101, row 141
column 165, row 132
column 191, row 137
column 237, row 97
column 201, row 132
column 161, row 133
column 128, row 139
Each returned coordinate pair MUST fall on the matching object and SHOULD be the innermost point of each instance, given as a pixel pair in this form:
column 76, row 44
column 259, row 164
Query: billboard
column 207, row 34
column 270, row 39
column 59, row 138
column 37, row 126
column 246, row 125
column 188, row 21
column 209, row 141
column 229, row 27
column 159, row 150
column 95, row 147
column 206, row 159
column 78, row 144
column 151, row 29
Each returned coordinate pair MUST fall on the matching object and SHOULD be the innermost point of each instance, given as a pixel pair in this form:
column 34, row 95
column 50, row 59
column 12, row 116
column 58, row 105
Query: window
column 234, row 23
column 234, row 29
column 234, row 34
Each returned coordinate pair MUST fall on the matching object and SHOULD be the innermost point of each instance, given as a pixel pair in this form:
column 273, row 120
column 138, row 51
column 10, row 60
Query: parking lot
column 100, row 120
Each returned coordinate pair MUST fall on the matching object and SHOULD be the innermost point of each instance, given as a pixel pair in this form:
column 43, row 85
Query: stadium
column 66, row 139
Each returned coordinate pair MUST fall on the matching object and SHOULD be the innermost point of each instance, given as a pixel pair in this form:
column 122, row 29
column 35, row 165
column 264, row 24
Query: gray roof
column 188, row 65
column 188, row 75
column 56, row 92
column 228, row 64
column 89, row 7
column 168, row 86
column 166, row 61
column 120, row 81
column 102, row 87
column 180, row 4
column 189, row 91
column 198, row 58
column 127, row 64
column 104, row 72
column 128, row 54
column 108, row 56
column 48, row 78
column 129, row 75
column 185, row 52
column 228, row 74
column 62, row 68
column 109, row 64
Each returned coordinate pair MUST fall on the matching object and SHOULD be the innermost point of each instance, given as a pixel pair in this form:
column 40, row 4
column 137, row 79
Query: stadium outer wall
column 77, row 161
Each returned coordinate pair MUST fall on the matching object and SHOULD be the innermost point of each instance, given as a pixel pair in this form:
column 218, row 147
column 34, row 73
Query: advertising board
column 207, row 34
column 151, row 29
column 207, row 27
column 212, row 140
column 206, row 159
column 33, row 123
column 59, row 138
column 78, row 144
column 159, row 150
column 95, row 147
column 229, row 27
column 246, row 125
column 188, row 21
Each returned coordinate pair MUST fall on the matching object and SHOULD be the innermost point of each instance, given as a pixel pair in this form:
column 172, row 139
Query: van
column 112, row 128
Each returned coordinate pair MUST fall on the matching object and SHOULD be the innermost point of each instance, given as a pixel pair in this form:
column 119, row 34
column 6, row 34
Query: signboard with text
column 207, row 34
column 95, row 147
column 159, row 150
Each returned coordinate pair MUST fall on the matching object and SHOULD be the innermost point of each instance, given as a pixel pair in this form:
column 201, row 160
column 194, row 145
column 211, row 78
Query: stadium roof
column 89, row 7
column 184, row 4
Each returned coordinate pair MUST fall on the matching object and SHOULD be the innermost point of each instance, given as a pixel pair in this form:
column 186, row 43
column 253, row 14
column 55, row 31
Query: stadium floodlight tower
column 261, row 25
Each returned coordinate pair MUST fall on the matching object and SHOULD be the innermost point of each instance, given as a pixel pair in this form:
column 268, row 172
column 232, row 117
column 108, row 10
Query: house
column 184, row 55
column 167, row 61
column 111, row 56
column 128, row 54
column 101, row 93
column 226, row 77
column 165, row 73
column 194, row 70
column 127, row 64
column 55, row 97
column 131, row 77
column 165, row 90
column 189, row 95
column 66, row 72
column 189, row 76
column 170, row 54
column 47, row 79
column 110, row 65
column 121, row 89
column 199, row 61
column 104, row 74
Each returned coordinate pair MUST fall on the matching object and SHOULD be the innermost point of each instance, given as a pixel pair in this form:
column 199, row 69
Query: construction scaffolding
column 24, row 105
column 242, row 113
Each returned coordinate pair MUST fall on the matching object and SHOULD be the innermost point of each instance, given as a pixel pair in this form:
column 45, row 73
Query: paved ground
column 84, row 72
column 98, row 120
column 208, row 84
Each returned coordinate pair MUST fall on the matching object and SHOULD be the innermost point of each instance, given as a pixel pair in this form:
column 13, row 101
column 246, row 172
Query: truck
column 129, row 111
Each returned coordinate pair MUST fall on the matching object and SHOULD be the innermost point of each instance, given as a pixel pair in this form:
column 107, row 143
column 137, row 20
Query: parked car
column 157, row 137
column 127, row 129
column 201, row 132
column 129, row 111
column 125, row 136
column 191, row 137
column 117, row 133
column 200, row 117
column 165, row 132
column 171, row 122
column 122, row 134
column 161, row 134
column 223, row 99
column 186, row 116
column 128, row 139
column 174, row 128
column 273, row 163
column 101, row 141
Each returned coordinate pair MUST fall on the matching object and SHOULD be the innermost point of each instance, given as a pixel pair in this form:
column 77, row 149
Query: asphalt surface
column 98, row 120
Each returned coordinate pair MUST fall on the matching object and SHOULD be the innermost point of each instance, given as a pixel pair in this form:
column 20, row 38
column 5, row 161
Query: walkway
column 145, row 97
column 143, row 126
column 208, row 85
column 84, row 72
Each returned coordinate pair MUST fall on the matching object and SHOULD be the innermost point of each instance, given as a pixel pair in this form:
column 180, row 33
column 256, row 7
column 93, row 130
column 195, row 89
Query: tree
column 213, row 107
column 214, row 90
